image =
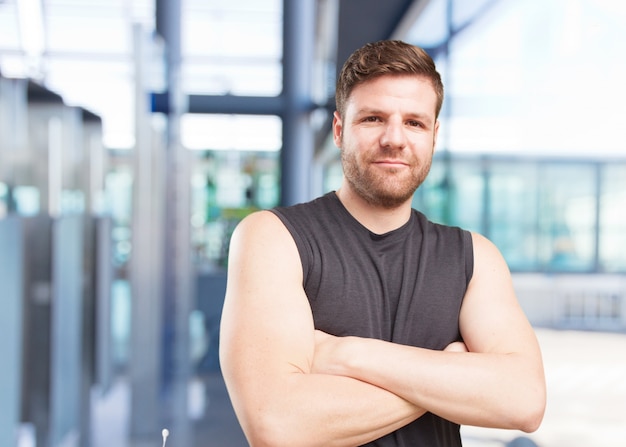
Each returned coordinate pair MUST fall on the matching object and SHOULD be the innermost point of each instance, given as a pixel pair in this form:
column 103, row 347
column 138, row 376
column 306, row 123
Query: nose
column 393, row 136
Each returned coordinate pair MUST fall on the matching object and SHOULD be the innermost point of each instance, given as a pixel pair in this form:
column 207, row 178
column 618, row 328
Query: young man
column 352, row 319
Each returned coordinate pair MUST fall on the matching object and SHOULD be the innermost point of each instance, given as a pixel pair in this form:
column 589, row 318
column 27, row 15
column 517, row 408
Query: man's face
column 387, row 137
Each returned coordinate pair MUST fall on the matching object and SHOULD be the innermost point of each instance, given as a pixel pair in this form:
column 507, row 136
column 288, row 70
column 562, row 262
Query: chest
column 396, row 290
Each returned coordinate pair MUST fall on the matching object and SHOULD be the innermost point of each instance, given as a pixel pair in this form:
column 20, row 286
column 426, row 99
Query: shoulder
column 491, row 271
column 261, row 227
column 261, row 236
column 262, row 250
column 487, row 256
column 259, row 221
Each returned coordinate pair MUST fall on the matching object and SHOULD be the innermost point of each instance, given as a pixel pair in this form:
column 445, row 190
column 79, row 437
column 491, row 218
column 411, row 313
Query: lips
column 391, row 163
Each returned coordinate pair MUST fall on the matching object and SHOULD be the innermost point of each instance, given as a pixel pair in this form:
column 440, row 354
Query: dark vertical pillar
column 37, row 328
column 177, row 268
column 298, row 137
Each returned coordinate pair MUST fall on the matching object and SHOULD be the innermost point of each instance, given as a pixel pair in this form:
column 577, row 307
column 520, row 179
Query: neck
column 377, row 219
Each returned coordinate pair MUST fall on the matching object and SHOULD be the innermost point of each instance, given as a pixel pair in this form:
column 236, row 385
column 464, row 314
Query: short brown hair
column 385, row 57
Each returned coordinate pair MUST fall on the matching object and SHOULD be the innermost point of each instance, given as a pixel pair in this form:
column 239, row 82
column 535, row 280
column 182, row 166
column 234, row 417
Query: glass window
column 432, row 196
column 613, row 219
column 467, row 189
column 232, row 47
column 453, row 193
column 567, row 217
column 512, row 212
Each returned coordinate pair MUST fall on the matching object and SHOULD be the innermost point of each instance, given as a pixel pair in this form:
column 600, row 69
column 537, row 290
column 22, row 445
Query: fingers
column 457, row 346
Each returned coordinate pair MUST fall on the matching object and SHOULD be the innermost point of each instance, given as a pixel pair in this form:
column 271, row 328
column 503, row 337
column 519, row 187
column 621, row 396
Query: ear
column 337, row 129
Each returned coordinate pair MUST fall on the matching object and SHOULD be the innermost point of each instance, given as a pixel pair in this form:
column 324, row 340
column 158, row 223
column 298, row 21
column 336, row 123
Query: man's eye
column 415, row 124
column 371, row 119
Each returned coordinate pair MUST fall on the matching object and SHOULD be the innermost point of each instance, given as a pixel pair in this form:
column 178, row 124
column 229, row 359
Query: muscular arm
column 267, row 346
column 499, row 383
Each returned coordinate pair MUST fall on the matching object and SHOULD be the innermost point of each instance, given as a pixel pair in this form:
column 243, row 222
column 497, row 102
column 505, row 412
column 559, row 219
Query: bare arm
column 267, row 345
column 499, row 383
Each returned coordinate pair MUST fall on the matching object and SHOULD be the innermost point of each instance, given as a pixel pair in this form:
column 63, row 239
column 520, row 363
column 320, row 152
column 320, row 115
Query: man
column 352, row 319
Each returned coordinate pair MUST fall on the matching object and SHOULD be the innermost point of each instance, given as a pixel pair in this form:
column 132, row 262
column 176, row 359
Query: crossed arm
column 292, row 385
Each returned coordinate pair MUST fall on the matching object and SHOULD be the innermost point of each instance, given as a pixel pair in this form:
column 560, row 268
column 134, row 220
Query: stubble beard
column 387, row 189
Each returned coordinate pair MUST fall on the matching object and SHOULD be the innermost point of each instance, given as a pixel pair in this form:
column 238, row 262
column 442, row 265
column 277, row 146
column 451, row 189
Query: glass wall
column 512, row 214
column 544, row 216
column 567, row 217
column 612, row 234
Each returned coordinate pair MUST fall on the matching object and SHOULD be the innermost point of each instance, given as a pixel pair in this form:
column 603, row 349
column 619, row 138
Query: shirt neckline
column 400, row 231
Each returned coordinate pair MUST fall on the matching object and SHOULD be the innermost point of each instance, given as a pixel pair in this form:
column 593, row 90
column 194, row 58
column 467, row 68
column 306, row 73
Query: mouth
column 391, row 163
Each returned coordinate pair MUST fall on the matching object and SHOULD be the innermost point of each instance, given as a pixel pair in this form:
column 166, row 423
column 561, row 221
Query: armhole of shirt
column 299, row 241
column 468, row 249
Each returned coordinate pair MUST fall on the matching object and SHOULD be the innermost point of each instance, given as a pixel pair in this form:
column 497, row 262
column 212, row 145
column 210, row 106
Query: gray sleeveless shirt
column 405, row 286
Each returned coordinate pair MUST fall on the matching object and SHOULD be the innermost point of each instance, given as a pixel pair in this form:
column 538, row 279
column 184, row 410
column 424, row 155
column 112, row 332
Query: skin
column 293, row 385
column 377, row 167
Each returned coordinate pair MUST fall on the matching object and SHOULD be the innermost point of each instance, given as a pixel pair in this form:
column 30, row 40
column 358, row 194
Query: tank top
column 405, row 286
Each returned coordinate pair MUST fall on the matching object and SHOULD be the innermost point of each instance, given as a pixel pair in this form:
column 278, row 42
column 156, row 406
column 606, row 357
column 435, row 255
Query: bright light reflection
column 539, row 78
column 231, row 132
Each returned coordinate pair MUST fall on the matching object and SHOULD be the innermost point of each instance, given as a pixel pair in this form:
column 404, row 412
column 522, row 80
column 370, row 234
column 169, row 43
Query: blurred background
column 134, row 135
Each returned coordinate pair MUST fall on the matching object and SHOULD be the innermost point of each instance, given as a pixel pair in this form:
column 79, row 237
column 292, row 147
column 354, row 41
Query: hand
column 456, row 346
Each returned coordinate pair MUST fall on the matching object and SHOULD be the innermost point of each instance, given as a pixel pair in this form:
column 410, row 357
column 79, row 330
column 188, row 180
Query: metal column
column 298, row 136
column 144, row 363
column 177, row 268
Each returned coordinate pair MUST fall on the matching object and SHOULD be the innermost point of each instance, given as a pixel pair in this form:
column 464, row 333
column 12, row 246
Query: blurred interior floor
column 586, row 380
column 214, row 426
column 585, row 373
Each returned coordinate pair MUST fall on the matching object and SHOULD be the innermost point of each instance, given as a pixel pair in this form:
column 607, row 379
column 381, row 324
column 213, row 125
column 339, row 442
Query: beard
column 387, row 188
